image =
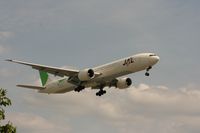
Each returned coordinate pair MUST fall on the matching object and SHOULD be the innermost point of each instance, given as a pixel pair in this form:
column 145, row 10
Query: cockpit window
column 152, row 55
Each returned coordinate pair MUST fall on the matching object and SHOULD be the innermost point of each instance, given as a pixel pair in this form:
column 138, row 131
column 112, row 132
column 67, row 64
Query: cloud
column 5, row 34
column 2, row 49
column 167, row 99
column 26, row 122
column 6, row 72
column 141, row 109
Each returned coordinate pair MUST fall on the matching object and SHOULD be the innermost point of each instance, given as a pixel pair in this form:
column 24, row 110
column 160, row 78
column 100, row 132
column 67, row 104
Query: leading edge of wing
column 53, row 70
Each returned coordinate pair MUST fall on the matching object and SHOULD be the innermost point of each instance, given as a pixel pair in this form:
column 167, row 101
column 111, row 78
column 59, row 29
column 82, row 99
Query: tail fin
column 44, row 77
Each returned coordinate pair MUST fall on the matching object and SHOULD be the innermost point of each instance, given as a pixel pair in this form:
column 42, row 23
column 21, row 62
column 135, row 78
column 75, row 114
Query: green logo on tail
column 44, row 77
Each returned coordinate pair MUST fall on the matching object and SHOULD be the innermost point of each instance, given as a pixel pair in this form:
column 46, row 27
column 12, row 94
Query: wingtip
column 9, row 60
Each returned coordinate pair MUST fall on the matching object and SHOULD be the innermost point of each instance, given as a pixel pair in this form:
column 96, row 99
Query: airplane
column 107, row 75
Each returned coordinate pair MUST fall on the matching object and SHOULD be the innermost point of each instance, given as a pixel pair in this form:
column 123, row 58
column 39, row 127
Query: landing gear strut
column 147, row 71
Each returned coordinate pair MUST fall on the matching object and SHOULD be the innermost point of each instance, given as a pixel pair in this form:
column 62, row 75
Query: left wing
column 53, row 70
column 32, row 87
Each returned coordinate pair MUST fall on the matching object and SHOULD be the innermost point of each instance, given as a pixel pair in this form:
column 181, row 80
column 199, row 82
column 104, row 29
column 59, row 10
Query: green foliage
column 4, row 102
column 8, row 128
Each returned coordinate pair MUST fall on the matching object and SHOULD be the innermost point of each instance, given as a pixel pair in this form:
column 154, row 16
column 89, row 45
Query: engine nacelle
column 123, row 83
column 86, row 74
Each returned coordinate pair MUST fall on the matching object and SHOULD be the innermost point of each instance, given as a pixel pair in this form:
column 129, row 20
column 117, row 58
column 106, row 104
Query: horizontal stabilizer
column 32, row 87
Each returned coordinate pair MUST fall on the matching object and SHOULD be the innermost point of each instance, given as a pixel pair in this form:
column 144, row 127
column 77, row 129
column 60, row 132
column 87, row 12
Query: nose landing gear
column 147, row 71
column 147, row 74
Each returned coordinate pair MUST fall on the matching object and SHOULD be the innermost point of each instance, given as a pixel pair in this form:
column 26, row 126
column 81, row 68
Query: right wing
column 53, row 70
column 72, row 73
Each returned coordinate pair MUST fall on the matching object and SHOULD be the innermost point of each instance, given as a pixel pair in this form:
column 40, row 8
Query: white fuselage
column 108, row 71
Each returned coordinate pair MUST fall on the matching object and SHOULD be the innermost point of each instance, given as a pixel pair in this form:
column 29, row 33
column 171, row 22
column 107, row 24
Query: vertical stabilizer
column 44, row 77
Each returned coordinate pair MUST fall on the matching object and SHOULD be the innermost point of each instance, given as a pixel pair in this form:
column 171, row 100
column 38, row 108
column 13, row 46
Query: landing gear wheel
column 100, row 93
column 147, row 71
column 146, row 74
column 79, row 88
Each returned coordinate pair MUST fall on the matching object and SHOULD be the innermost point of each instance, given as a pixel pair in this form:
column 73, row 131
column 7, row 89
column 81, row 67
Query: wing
column 53, row 70
column 32, row 87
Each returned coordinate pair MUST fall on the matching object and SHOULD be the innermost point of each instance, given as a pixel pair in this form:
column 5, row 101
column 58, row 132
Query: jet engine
column 86, row 74
column 123, row 83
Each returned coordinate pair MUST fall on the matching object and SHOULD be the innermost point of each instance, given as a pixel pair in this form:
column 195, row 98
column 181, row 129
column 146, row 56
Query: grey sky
column 89, row 33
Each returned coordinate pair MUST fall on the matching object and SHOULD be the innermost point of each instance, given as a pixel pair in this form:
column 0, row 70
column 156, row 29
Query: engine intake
column 123, row 83
column 86, row 74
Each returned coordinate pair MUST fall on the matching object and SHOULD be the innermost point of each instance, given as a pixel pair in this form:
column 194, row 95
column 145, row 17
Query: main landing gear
column 101, row 91
column 79, row 88
column 147, row 71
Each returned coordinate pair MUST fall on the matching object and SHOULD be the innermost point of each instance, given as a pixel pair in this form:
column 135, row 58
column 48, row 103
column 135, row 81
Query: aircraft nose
column 156, row 59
